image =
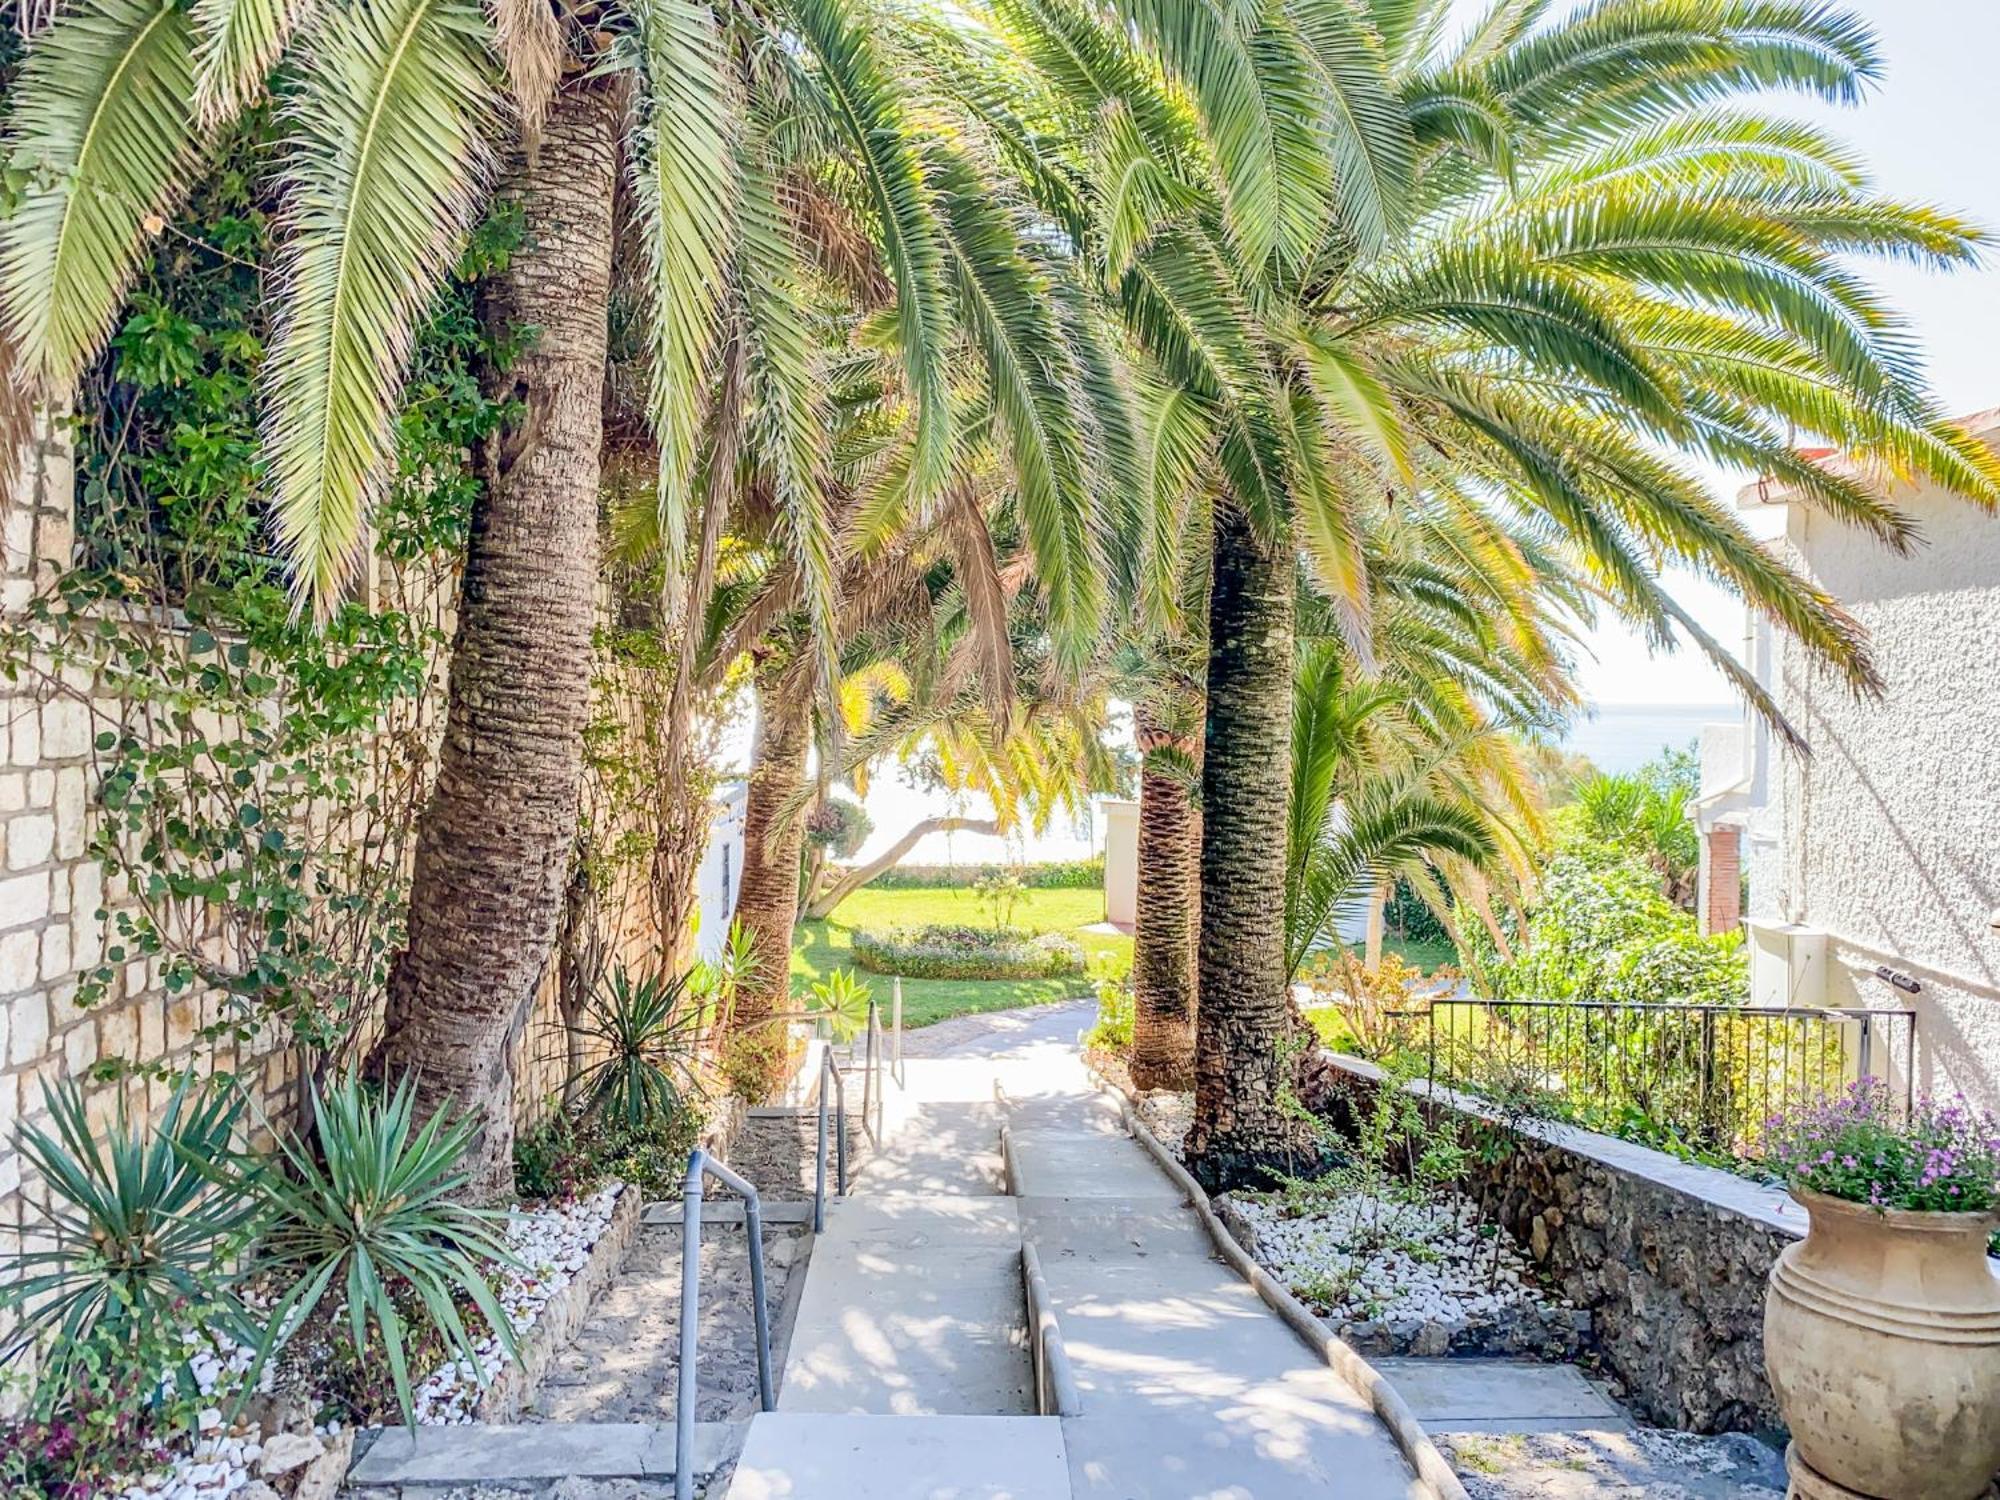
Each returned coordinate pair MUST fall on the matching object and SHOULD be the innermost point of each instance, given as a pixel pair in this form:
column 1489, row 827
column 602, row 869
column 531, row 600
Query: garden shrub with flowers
column 1943, row 1157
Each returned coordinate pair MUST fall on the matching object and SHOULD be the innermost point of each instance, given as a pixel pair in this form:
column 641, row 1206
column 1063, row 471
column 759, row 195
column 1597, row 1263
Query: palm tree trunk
column 1163, row 952
column 1241, row 1132
column 493, row 842
column 1378, row 917
column 768, row 901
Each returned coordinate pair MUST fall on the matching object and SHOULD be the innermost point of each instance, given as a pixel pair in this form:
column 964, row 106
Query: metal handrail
column 872, row 1090
column 700, row 1163
column 896, row 1036
column 827, row 1071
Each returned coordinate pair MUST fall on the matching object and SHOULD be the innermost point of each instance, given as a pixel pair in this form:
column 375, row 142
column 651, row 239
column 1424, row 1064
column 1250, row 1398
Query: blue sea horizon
column 1624, row 736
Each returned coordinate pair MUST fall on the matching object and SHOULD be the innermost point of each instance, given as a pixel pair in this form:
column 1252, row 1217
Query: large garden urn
column 1882, row 1341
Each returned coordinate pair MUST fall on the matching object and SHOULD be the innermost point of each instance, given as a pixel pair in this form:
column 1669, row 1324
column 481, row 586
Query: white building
column 716, row 886
column 1873, row 864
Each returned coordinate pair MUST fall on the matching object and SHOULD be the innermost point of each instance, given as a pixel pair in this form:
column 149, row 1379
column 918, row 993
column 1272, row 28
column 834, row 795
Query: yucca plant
column 141, row 1238
column 363, row 1212
column 649, row 1029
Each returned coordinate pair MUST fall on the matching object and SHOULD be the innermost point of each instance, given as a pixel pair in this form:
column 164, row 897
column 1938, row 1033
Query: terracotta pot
column 1882, row 1341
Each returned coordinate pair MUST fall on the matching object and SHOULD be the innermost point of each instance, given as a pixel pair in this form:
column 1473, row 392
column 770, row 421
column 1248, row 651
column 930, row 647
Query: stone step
column 1502, row 1395
column 818, row 1456
column 482, row 1453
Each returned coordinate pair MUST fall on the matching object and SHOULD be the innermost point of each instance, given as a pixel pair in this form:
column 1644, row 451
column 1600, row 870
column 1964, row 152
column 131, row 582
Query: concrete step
column 483, row 1452
column 913, row 1306
column 810, row 1456
column 1083, row 1163
column 1502, row 1395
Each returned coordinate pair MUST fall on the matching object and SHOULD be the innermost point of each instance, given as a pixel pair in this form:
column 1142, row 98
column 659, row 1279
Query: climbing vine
column 257, row 776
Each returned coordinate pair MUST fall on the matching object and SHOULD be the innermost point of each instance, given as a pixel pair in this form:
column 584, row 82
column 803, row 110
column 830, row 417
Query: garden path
column 909, row 1377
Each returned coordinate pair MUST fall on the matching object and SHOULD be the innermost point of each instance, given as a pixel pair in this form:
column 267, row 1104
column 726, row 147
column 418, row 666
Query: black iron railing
column 1701, row 1077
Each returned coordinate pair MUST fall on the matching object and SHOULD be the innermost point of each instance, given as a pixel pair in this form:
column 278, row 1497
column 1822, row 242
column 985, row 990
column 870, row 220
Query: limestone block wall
column 52, row 887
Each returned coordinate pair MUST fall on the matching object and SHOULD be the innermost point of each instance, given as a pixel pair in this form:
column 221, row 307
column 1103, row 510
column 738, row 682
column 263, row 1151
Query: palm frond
column 102, row 128
column 684, row 184
column 382, row 174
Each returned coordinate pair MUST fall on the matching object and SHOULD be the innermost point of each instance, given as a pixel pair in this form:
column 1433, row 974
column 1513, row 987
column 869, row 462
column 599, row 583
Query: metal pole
column 819, row 1152
column 685, row 1383
column 868, row 1070
column 896, row 1024
column 753, row 1219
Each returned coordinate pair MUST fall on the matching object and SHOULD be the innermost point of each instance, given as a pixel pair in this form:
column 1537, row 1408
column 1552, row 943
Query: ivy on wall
column 257, row 777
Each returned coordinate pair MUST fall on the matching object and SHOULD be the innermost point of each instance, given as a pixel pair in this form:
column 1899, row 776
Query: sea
column 1624, row 736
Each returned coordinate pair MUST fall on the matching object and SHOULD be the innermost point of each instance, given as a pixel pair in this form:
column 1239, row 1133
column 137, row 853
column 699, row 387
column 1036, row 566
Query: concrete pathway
column 909, row 1376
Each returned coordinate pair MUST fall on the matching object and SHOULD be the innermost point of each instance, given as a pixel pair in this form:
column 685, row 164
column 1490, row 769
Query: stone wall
column 52, row 887
column 1669, row 1258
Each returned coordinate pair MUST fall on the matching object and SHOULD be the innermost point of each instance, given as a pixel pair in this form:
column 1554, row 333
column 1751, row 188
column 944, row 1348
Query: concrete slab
column 818, row 1457
column 948, row 1146
column 483, row 1453
column 1192, row 1390
column 1111, row 1228
column 1501, row 1395
column 1077, row 1164
column 912, row 1307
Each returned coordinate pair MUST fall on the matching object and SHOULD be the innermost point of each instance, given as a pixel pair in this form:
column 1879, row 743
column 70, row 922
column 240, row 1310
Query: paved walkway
column 909, row 1375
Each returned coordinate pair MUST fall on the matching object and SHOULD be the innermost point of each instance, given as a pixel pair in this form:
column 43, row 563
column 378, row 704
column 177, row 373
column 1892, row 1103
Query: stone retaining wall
column 1669, row 1258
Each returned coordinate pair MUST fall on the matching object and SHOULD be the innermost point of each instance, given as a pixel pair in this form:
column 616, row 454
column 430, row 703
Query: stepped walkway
column 911, row 1374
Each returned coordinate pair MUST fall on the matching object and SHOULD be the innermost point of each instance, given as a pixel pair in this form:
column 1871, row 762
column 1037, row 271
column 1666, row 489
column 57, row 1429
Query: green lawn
column 819, row 947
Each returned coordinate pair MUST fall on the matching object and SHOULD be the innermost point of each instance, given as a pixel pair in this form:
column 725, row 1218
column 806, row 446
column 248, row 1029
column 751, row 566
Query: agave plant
column 369, row 1218
column 843, row 1000
column 650, row 1029
column 141, row 1237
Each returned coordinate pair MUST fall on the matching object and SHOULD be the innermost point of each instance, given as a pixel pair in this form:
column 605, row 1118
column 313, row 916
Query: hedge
column 946, row 951
column 1052, row 875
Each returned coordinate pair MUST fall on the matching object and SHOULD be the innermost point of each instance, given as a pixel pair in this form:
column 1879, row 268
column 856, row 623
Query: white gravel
column 1360, row 1258
column 552, row 1244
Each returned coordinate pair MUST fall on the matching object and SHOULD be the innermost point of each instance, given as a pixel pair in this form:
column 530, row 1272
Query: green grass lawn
column 820, row 947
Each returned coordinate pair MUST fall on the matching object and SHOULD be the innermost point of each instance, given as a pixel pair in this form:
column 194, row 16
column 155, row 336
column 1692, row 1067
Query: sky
column 1928, row 133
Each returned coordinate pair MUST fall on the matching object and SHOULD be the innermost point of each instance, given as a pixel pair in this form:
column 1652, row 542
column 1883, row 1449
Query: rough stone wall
column 51, row 889
column 1669, row 1258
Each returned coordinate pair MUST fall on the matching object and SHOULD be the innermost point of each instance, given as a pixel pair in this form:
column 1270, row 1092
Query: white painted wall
column 1888, row 837
column 1121, row 860
column 721, row 869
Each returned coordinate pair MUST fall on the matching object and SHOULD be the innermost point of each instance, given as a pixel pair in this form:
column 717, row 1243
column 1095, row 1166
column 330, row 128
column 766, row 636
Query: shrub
column 1049, row 875
column 944, row 951
column 1944, row 1158
column 1116, row 1009
column 1378, row 1009
column 647, row 1033
column 843, row 1001
column 367, row 1221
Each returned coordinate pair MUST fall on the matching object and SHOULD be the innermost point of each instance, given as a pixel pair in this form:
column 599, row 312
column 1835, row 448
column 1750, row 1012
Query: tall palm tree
column 739, row 122
column 1510, row 269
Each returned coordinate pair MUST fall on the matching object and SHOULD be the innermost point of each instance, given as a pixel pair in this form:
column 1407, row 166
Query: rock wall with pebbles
column 1669, row 1258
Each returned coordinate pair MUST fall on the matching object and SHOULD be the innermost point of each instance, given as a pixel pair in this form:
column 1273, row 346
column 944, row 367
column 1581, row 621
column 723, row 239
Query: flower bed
column 552, row 1242
column 943, row 951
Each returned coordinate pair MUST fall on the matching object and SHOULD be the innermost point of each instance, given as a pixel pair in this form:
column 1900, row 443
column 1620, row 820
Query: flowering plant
column 1940, row 1158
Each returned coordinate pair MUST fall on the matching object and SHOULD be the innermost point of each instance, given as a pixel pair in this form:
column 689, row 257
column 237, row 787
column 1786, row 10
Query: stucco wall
column 1889, row 834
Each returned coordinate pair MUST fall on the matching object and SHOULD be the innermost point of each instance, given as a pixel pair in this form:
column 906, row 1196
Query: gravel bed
column 624, row 1365
column 1643, row 1464
column 552, row 1243
column 1399, row 1277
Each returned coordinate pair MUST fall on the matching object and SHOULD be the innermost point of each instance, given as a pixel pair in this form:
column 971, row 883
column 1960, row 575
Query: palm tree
column 1508, row 270
column 742, row 127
